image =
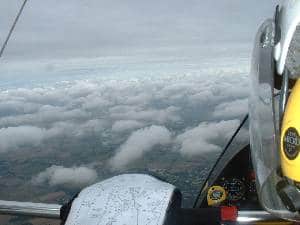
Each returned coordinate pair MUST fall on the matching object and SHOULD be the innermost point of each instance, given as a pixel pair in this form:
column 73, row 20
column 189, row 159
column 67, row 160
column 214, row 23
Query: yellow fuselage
column 290, row 139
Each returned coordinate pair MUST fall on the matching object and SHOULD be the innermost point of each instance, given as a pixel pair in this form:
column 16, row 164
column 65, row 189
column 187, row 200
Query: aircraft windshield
column 93, row 89
column 292, row 61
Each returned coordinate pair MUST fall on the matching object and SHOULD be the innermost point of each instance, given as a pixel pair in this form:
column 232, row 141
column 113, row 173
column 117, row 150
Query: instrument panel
column 235, row 189
column 238, row 191
column 235, row 186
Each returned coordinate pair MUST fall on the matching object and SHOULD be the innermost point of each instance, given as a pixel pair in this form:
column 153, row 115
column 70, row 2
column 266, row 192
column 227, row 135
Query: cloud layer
column 119, row 106
column 115, row 122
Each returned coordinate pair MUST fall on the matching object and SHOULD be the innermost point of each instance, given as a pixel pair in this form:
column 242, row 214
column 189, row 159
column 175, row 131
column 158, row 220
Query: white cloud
column 46, row 114
column 126, row 125
column 202, row 97
column 230, row 110
column 94, row 103
column 16, row 107
column 206, row 137
column 118, row 110
column 220, row 90
column 75, row 129
column 138, row 143
column 12, row 138
column 140, row 99
column 77, row 177
column 94, row 125
column 161, row 116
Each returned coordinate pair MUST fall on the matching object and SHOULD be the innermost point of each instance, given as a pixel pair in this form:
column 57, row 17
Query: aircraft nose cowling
column 126, row 200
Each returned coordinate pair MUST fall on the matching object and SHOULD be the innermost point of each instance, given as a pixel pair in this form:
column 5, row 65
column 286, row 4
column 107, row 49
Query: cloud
column 75, row 177
column 230, row 110
column 160, row 116
column 126, row 125
column 140, row 99
column 206, row 137
column 46, row 114
column 76, row 129
column 138, row 143
column 15, row 107
column 94, row 126
column 13, row 138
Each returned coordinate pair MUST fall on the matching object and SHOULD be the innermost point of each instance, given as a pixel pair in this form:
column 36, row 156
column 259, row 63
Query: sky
column 93, row 28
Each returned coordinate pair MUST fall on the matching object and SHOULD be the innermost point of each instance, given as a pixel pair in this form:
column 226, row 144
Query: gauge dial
column 235, row 189
column 216, row 195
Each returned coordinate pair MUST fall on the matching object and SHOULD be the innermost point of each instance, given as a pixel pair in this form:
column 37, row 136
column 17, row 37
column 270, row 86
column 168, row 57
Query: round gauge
column 235, row 189
column 216, row 195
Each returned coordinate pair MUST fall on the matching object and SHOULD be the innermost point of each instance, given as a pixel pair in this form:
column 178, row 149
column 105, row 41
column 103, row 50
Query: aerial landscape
column 75, row 133
column 73, row 119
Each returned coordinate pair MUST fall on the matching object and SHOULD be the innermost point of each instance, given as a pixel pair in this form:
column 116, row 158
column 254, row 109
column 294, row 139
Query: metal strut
column 12, row 28
column 52, row 211
column 30, row 209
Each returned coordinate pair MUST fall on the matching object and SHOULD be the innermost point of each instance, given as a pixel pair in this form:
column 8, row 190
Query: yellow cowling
column 290, row 140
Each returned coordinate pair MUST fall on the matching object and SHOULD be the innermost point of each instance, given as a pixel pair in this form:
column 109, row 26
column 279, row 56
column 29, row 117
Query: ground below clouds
column 172, row 126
